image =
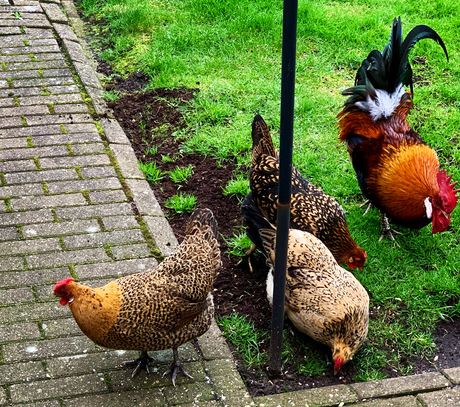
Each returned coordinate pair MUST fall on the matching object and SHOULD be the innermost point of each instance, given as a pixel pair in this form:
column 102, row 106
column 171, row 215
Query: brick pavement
column 74, row 203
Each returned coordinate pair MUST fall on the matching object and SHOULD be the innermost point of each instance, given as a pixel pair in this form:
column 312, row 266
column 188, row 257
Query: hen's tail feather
column 262, row 142
column 254, row 220
column 202, row 220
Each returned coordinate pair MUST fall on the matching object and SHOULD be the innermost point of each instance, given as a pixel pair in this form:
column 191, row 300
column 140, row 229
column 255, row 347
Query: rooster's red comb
column 447, row 192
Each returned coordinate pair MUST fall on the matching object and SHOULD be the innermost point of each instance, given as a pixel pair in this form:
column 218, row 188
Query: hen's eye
column 64, row 292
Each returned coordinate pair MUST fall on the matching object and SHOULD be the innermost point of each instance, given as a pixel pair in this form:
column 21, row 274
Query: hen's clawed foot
column 386, row 228
column 142, row 362
column 247, row 256
column 175, row 368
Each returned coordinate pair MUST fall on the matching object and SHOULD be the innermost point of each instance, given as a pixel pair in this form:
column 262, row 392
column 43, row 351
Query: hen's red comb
column 62, row 283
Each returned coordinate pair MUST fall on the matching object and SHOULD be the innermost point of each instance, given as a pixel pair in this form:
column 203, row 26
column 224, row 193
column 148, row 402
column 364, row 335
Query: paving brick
column 20, row 190
column 49, row 201
column 37, row 350
column 9, row 264
column 144, row 197
column 30, row 246
column 115, row 269
column 90, row 148
column 22, row 218
column 17, row 165
column 58, row 63
column 71, row 108
column 2, row 397
column 113, row 131
column 103, row 238
column 38, row 33
column 98, row 172
column 140, row 398
column 80, row 127
column 130, row 251
column 13, row 143
column 10, row 121
column 45, row 100
column 23, row 110
column 453, row 374
column 62, row 89
column 127, row 161
column 65, row 139
column 62, row 326
column 31, row 277
column 14, row 332
column 21, row 153
column 162, row 234
column 120, row 222
column 70, row 386
column 10, row 233
column 54, row 72
column 32, row 131
column 443, row 398
column 68, row 257
column 31, row 312
column 400, row 385
column 40, row 176
column 15, row 296
column 407, row 401
column 189, row 393
column 57, row 118
column 77, row 161
column 65, row 80
column 213, row 345
column 3, row 206
column 83, row 185
column 89, row 363
column 61, row 228
column 87, row 74
column 92, row 211
column 54, row 12
column 48, row 56
column 17, row 74
column 117, row 195
column 75, row 50
column 22, row 372
column 65, row 32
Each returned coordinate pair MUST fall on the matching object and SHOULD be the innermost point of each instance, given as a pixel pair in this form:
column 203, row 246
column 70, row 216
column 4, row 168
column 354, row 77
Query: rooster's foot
column 140, row 363
column 176, row 367
column 369, row 206
column 387, row 230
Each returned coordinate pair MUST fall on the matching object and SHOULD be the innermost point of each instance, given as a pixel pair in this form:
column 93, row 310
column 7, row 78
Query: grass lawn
column 231, row 51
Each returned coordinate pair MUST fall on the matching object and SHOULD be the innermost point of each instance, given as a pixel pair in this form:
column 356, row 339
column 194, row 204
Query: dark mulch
column 237, row 289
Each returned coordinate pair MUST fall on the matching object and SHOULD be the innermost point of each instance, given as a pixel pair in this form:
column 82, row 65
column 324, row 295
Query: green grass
column 151, row 172
column 181, row 203
column 231, row 51
column 181, row 175
column 248, row 341
column 239, row 243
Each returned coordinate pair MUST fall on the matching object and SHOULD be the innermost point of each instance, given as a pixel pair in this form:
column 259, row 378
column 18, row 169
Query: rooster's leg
column 176, row 367
column 140, row 363
column 386, row 228
column 369, row 206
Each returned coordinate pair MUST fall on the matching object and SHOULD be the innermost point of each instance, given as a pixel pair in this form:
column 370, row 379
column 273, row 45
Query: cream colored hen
column 323, row 300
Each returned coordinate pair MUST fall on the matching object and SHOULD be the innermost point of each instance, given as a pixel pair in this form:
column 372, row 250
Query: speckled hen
column 157, row 309
column 311, row 209
column 323, row 300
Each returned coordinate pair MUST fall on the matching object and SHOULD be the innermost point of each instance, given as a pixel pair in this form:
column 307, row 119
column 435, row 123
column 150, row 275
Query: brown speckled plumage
column 311, row 209
column 157, row 309
column 323, row 300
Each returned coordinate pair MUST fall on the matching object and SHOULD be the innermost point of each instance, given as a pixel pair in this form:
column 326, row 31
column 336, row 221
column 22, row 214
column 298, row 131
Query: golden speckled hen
column 157, row 309
column 311, row 209
column 396, row 171
column 323, row 300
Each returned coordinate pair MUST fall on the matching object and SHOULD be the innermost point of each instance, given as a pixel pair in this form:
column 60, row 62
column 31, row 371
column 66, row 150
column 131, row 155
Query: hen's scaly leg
column 176, row 367
column 142, row 362
column 247, row 256
column 386, row 228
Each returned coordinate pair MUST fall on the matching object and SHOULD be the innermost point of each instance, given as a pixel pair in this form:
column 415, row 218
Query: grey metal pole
column 284, row 186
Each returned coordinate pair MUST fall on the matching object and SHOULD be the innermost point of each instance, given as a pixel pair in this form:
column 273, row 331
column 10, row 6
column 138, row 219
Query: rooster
column 157, row 309
column 311, row 209
column 323, row 300
column 397, row 172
